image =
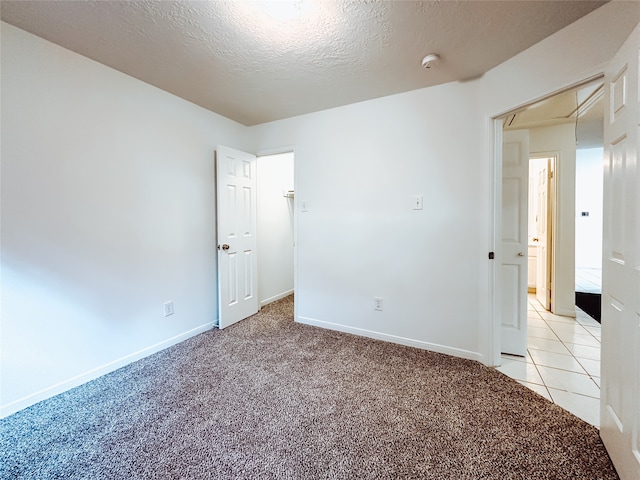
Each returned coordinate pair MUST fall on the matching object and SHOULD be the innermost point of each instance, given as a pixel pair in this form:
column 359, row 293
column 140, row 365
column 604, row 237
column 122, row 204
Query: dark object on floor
column 268, row 398
column 590, row 303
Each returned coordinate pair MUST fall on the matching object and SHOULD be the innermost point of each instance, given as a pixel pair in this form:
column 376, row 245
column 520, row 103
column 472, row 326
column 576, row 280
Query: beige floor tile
column 536, row 305
column 555, row 346
column 583, row 351
column 581, row 314
column 557, row 360
column 586, row 408
column 591, row 366
column 569, row 381
column 557, row 318
column 522, row 371
column 539, row 389
column 536, row 322
column 565, row 327
column 578, row 339
column 587, row 322
column 545, row 333
column 566, row 358
column 595, row 331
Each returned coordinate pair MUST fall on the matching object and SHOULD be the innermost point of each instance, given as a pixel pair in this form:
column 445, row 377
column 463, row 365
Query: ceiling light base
column 430, row 60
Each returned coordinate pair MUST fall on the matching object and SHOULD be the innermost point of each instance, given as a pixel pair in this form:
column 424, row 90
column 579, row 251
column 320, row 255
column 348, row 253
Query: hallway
column 562, row 362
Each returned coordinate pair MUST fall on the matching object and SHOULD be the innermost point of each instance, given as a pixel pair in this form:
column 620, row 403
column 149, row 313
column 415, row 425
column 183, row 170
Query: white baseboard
column 24, row 402
column 269, row 300
column 565, row 312
column 433, row 347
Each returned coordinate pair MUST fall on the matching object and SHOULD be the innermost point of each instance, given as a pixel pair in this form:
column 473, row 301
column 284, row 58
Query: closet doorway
column 276, row 197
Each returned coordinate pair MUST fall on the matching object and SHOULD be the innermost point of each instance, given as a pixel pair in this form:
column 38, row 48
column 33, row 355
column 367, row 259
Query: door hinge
column 550, row 173
column 491, row 255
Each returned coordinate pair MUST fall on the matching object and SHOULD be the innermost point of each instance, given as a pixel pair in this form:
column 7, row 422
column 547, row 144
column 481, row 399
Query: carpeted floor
column 271, row 399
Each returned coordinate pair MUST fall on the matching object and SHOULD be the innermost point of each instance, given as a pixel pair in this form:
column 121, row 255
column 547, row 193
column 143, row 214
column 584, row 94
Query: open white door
column 620, row 393
column 237, row 260
column 513, row 266
column 543, row 235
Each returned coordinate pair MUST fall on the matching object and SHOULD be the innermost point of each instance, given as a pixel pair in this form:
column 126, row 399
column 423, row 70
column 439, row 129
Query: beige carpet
column 271, row 399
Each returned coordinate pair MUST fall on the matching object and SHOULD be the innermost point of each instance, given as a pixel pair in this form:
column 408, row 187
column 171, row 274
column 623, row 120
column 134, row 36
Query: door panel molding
column 514, row 242
column 620, row 362
column 236, row 230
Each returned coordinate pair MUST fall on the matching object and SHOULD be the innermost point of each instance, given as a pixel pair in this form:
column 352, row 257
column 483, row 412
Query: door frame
column 495, row 214
column 276, row 151
column 553, row 211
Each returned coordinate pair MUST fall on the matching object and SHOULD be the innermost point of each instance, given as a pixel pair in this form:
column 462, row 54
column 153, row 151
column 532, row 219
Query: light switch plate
column 417, row 202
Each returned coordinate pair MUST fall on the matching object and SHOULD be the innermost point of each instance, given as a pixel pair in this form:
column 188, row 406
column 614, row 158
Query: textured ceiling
column 252, row 62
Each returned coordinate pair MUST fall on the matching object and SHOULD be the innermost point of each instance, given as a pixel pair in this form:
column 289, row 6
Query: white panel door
column 237, row 261
column 620, row 393
column 514, row 243
column 543, row 235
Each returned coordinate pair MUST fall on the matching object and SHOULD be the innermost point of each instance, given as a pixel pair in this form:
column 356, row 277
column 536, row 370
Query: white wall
column 108, row 211
column 357, row 169
column 275, row 227
column 358, row 166
column 560, row 140
column 589, row 198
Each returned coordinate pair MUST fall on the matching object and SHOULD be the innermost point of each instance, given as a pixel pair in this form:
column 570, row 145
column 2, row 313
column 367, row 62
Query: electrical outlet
column 377, row 303
column 168, row 308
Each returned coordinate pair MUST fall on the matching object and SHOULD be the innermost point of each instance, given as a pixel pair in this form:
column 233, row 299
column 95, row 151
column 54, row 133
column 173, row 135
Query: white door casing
column 620, row 355
column 514, row 241
column 236, row 227
column 543, row 231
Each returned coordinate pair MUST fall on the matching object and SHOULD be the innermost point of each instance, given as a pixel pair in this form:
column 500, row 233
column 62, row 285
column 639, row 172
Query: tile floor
column 562, row 362
column 588, row 280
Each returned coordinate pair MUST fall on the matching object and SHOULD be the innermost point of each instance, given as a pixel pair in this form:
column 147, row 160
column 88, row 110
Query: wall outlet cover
column 377, row 303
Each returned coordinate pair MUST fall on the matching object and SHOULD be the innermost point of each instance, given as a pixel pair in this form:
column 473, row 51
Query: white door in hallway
column 236, row 222
column 543, row 237
column 514, row 242
column 620, row 393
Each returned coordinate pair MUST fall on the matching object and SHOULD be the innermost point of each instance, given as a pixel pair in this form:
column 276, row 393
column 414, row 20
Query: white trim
column 267, row 152
column 433, row 347
column 593, row 78
column 267, row 301
column 495, row 215
column 555, row 225
column 566, row 313
column 296, row 282
column 277, row 151
column 24, row 402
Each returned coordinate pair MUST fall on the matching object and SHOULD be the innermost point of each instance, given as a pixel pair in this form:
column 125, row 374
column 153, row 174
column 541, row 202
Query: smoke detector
column 430, row 60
